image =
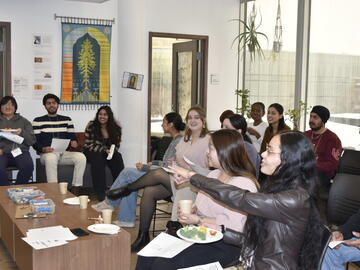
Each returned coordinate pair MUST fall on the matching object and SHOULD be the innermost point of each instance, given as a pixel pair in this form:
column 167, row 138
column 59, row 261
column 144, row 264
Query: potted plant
column 295, row 114
column 250, row 36
column 244, row 95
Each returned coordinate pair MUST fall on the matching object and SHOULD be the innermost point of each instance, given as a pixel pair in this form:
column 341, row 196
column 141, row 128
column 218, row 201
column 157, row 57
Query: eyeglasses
column 269, row 151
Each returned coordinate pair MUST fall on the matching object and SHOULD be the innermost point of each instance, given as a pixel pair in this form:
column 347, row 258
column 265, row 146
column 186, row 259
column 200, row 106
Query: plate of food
column 104, row 228
column 199, row 234
column 8, row 129
column 73, row 201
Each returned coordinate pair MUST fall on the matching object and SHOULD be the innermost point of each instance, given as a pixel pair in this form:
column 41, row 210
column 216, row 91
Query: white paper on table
column 164, row 245
column 44, row 243
column 60, row 145
column 209, row 266
column 12, row 137
column 333, row 244
column 50, row 233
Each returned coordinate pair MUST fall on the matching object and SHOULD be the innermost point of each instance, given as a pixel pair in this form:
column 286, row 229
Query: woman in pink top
column 227, row 154
column 157, row 183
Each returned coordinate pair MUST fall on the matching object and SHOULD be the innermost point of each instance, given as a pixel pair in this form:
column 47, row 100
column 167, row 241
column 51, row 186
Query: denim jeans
column 336, row 258
column 127, row 205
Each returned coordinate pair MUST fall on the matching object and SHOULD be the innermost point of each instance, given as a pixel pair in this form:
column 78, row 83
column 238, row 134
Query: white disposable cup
column 185, row 206
column 83, row 201
column 63, row 187
column 106, row 215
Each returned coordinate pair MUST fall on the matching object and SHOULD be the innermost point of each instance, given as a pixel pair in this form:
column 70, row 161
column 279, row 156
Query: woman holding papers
column 283, row 229
column 102, row 142
column 227, row 154
column 16, row 136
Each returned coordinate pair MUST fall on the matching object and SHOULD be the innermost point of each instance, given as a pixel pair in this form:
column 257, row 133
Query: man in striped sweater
column 52, row 126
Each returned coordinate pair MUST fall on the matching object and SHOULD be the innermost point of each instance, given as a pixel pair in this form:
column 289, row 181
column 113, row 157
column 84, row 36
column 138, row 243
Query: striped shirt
column 46, row 128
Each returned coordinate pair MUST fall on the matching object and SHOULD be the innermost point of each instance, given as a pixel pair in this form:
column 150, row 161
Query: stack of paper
column 164, row 245
column 12, row 137
column 47, row 237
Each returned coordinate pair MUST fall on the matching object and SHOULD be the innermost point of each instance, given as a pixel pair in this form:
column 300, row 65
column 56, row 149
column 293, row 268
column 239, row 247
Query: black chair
column 159, row 147
column 344, row 199
column 349, row 162
column 325, row 239
column 161, row 213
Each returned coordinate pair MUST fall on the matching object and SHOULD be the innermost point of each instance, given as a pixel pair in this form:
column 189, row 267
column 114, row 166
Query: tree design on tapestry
column 86, row 58
column 86, row 64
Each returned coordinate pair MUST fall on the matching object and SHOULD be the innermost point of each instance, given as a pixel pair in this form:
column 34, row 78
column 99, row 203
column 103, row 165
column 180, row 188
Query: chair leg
column 154, row 221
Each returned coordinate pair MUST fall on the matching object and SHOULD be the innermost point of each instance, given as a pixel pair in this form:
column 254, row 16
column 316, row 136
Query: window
column 334, row 66
column 272, row 79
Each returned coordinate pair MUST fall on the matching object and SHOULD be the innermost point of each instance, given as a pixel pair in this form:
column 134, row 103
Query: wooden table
column 94, row 251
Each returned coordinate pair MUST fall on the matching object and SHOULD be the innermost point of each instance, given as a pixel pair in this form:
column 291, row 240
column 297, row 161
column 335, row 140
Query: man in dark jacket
column 349, row 250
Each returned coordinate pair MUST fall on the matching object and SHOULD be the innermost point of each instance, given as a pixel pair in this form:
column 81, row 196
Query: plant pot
column 251, row 47
column 277, row 46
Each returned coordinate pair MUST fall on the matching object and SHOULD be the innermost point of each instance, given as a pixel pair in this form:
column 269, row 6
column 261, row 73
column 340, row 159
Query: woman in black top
column 100, row 135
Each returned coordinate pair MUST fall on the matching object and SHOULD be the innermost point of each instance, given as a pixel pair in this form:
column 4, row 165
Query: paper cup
column 83, row 201
column 63, row 187
column 185, row 206
column 106, row 214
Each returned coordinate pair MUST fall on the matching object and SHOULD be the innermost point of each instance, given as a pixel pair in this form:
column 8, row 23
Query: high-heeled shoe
column 117, row 193
column 141, row 241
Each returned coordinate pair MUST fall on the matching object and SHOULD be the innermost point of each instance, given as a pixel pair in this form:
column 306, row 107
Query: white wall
column 200, row 17
column 134, row 20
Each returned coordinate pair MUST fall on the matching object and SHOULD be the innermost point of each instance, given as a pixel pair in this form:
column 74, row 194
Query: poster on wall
column 85, row 63
column 42, row 65
column 132, row 80
column 20, row 87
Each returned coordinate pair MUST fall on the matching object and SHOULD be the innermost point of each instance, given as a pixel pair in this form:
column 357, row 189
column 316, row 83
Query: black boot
column 117, row 193
column 141, row 241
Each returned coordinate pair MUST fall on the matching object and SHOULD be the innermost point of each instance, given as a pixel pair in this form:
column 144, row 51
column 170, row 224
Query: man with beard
column 52, row 126
column 327, row 145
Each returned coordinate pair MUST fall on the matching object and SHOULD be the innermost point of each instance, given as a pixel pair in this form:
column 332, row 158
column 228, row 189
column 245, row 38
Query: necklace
column 318, row 139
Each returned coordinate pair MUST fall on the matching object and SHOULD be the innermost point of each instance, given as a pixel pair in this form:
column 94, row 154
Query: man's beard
column 52, row 112
column 315, row 128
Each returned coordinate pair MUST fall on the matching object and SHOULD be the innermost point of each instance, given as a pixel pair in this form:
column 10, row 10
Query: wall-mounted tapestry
column 85, row 63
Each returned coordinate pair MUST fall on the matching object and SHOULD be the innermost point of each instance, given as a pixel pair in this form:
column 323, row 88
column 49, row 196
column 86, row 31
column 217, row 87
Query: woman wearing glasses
column 15, row 152
column 283, row 229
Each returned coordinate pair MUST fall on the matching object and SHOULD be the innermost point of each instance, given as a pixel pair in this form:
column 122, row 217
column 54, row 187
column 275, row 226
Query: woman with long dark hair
column 227, row 154
column 275, row 117
column 100, row 134
column 283, row 229
column 237, row 122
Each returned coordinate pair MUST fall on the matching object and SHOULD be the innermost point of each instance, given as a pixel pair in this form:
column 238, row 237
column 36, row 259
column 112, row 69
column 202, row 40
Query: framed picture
column 132, row 80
